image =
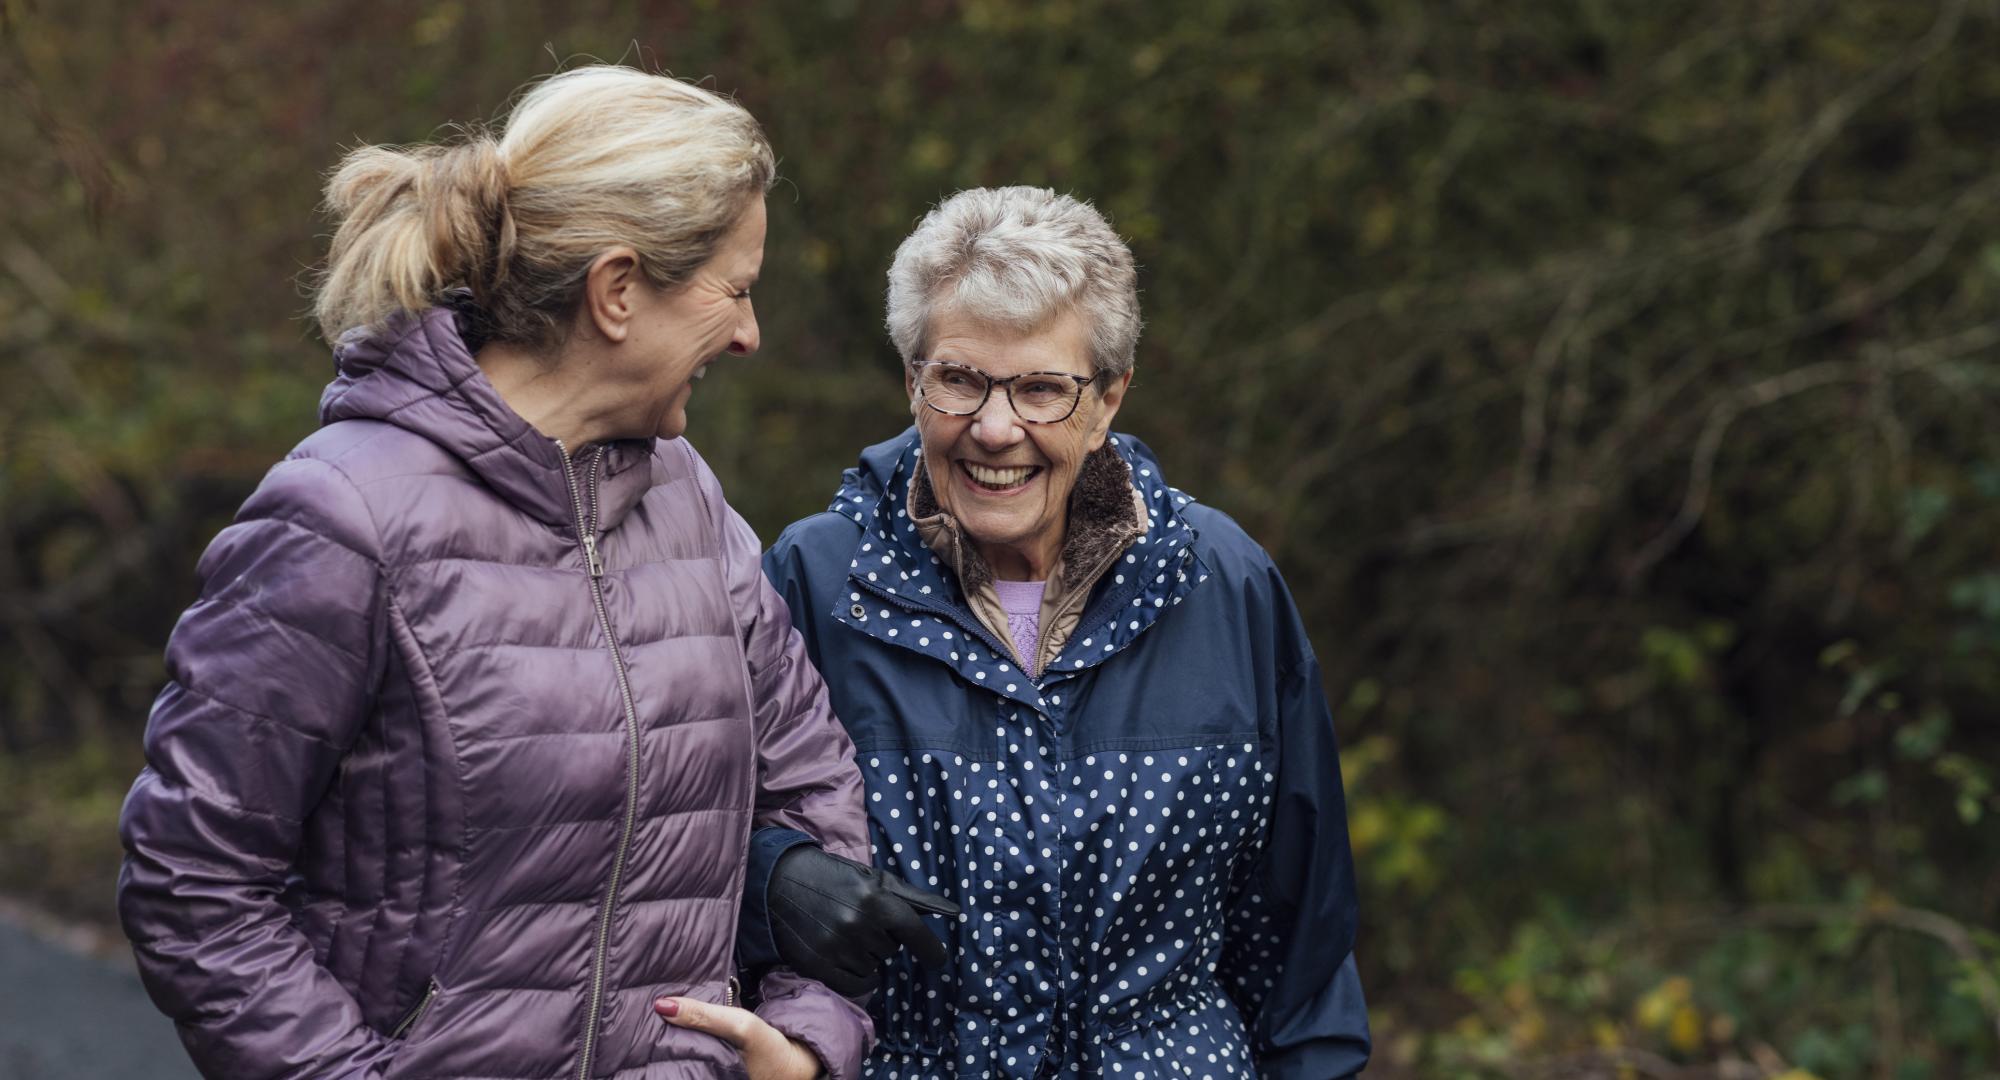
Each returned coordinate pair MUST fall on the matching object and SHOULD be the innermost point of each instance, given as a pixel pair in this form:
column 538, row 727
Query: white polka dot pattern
column 1098, row 895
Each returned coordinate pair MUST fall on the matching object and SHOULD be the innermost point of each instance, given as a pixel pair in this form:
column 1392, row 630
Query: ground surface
column 67, row 1013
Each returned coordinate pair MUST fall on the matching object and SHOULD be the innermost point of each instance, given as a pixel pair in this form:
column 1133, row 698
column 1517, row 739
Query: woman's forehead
column 1062, row 344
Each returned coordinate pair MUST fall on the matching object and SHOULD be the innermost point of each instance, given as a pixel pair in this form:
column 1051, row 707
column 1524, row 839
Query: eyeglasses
column 1038, row 397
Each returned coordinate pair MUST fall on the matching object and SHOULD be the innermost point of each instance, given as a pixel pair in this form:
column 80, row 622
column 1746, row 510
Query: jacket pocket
column 418, row 1011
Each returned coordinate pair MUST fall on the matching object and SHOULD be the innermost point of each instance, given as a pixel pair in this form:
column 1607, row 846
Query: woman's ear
column 612, row 292
column 1108, row 401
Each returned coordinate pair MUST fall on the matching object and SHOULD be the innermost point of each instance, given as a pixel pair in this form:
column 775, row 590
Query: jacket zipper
column 423, row 1006
column 732, row 993
column 586, row 523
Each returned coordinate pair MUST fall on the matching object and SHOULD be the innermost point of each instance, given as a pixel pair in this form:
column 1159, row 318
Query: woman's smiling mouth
column 998, row 479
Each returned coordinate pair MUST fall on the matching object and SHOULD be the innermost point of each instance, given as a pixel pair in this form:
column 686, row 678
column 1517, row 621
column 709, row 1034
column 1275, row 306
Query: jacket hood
column 416, row 371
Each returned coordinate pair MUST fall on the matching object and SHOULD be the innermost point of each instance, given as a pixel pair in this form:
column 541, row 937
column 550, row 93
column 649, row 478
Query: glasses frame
column 1007, row 386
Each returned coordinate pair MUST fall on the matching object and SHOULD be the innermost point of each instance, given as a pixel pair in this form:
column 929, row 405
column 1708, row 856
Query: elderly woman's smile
column 998, row 480
column 1004, row 477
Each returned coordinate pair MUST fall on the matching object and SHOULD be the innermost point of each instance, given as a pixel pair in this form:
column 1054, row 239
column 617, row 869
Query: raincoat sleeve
column 807, row 782
column 756, row 949
column 1288, row 954
column 271, row 671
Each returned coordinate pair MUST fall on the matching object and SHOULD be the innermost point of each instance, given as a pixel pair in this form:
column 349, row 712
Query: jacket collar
column 416, row 371
column 903, row 594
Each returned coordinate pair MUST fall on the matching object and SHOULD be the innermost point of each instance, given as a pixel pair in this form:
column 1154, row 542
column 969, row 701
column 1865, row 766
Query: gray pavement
column 69, row 1015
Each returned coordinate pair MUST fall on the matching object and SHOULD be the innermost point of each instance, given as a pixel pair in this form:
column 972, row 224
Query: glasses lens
column 953, row 389
column 1045, row 398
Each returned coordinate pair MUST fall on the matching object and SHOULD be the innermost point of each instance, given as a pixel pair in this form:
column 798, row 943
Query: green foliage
column 59, row 824
column 1613, row 381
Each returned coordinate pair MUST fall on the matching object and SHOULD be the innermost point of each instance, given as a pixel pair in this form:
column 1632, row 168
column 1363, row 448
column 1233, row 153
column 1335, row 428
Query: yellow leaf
column 1656, row 1008
column 1684, row 1033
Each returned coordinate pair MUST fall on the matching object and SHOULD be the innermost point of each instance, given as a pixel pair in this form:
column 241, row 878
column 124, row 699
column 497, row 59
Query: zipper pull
column 591, row 556
column 733, row 994
column 423, row 1006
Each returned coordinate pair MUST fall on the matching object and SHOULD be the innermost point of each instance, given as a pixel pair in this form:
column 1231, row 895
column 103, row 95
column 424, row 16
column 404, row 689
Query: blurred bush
column 1615, row 383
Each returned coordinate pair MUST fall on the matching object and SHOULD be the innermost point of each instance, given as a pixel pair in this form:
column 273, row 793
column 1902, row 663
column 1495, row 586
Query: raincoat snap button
column 858, row 611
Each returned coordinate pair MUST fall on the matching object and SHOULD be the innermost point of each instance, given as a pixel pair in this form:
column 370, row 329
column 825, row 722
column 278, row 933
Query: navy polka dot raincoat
column 1149, row 841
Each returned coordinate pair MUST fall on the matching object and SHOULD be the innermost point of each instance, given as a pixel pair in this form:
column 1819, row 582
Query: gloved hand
column 836, row 920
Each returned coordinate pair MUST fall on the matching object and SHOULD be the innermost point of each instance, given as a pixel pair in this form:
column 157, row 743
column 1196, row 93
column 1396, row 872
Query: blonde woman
column 484, row 691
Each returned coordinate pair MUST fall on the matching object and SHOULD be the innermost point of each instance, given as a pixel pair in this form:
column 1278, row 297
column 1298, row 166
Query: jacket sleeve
column 270, row 673
column 807, row 782
column 1288, row 955
column 755, row 947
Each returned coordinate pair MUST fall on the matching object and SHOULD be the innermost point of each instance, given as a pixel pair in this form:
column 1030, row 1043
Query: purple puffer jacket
column 462, row 751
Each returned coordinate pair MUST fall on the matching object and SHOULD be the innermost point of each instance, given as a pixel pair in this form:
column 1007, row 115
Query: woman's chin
column 674, row 420
column 1004, row 530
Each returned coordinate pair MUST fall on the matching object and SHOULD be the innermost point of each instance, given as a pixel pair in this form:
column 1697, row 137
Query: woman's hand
column 767, row 1053
column 837, row 920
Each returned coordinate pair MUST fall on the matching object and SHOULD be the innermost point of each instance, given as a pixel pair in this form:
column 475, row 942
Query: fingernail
column 666, row 1006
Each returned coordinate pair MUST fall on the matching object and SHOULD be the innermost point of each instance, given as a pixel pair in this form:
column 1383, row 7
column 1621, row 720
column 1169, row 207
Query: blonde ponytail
column 590, row 159
column 413, row 222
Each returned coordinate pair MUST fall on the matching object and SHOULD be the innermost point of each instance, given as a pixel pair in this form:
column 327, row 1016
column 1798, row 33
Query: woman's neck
column 547, row 393
column 1032, row 560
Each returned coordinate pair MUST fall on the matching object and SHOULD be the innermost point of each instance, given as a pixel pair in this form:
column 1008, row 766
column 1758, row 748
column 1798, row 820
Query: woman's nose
column 995, row 426
column 747, row 337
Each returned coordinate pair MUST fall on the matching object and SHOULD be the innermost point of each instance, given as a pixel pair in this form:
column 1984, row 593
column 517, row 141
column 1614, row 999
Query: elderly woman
column 484, row 692
column 1084, row 705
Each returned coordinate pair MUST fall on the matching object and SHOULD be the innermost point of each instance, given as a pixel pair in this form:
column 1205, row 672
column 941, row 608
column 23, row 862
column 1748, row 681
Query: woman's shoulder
column 815, row 546
column 1226, row 548
column 349, row 479
column 677, row 461
column 323, row 485
column 368, row 452
column 1224, row 545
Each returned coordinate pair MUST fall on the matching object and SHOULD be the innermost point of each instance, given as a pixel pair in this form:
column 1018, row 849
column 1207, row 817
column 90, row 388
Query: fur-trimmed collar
column 1104, row 518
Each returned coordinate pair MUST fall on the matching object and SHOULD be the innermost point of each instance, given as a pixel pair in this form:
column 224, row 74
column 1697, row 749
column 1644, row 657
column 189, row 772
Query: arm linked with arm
column 807, row 783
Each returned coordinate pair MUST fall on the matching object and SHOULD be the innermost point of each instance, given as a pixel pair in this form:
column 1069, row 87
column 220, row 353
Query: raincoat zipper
column 586, row 525
column 423, row 1006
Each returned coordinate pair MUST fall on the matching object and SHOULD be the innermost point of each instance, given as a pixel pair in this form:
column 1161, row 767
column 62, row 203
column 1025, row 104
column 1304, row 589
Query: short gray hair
column 1019, row 257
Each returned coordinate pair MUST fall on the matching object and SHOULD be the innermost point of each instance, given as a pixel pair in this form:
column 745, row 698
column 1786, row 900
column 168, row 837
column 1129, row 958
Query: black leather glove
column 836, row 920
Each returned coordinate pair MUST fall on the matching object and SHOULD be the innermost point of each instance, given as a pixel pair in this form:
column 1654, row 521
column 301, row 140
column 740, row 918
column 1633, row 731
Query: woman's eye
column 1041, row 388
